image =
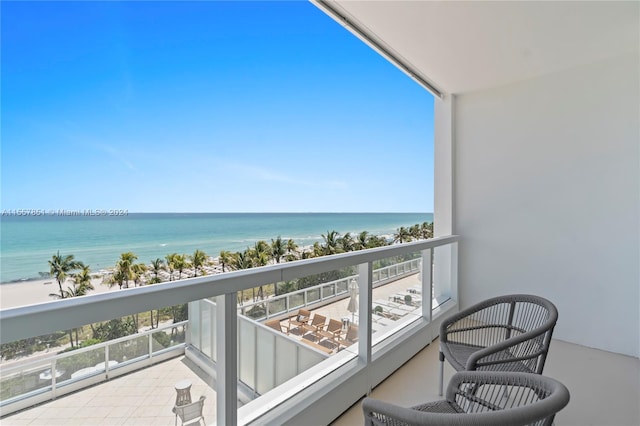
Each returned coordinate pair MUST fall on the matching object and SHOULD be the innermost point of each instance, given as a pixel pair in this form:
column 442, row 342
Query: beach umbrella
column 353, row 299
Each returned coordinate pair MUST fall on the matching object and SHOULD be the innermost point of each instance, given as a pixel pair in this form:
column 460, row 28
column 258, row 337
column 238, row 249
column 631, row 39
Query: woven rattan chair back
column 506, row 333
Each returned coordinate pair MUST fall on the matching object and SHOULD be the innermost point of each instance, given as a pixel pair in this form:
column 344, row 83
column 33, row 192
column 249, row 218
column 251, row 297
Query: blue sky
column 205, row 107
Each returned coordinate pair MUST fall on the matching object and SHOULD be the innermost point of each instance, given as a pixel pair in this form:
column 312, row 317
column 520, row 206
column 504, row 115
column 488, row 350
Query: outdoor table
column 345, row 322
column 183, row 392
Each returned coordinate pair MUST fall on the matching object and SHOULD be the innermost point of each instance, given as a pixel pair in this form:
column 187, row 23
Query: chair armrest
column 406, row 415
column 478, row 356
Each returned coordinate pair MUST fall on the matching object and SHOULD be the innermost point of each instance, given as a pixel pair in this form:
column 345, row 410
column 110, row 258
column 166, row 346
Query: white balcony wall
column 547, row 197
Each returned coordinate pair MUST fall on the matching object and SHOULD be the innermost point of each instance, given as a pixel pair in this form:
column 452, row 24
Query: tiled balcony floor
column 604, row 387
column 144, row 397
column 605, row 390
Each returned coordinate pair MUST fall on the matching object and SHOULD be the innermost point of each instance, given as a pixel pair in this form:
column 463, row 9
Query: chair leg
column 441, row 384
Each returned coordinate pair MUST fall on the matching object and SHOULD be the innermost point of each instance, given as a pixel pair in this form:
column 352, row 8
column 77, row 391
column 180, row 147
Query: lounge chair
column 190, row 412
column 297, row 321
column 505, row 333
column 275, row 324
column 479, row 398
column 350, row 338
column 316, row 325
column 333, row 331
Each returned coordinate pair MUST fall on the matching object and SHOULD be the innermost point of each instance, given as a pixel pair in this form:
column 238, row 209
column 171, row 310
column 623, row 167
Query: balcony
column 225, row 353
column 392, row 359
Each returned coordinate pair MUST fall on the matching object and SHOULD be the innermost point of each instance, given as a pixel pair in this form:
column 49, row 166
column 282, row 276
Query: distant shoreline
column 28, row 244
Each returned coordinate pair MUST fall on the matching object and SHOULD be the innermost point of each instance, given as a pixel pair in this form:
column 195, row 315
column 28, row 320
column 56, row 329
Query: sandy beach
column 37, row 291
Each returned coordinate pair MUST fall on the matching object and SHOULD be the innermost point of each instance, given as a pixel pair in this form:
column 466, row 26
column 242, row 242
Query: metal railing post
column 364, row 314
column 53, row 378
column 227, row 360
column 151, row 346
column 106, row 361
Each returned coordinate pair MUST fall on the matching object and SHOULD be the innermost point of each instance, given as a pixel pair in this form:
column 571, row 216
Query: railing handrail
column 273, row 299
column 39, row 319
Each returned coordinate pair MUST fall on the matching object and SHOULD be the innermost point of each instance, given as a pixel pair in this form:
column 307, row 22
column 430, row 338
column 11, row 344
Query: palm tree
column 81, row 286
column 278, row 249
column 198, row 260
column 331, row 242
column 137, row 273
column 117, row 277
column 427, row 230
column 402, row 236
column 362, row 241
column 415, row 231
column 125, row 266
column 242, row 260
column 171, row 265
column 157, row 265
column 316, row 251
column 61, row 266
column 225, row 258
column 181, row 263
column 292, row 250
column 82, row 280
column 260, row 257
column 346, row 242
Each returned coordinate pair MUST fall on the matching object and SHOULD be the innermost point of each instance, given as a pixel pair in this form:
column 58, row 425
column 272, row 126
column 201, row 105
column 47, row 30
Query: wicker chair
column 479, row 398
column 506, row 333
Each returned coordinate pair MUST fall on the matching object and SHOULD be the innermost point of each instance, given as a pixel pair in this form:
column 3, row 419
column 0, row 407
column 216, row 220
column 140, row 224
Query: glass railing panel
column 277, row 306
column 195, row 326
column 81, row 365
column 247, row 352
column 285, row 369
column 168, row 338
column 442, row 257
column 328, row 291
column 126, row 352
column 313, row 295
column 342, row 286
column 31, row 379
column 398, row 300
column 266, row 361
column 296, row 300
column 256, row 311
column 207, row 327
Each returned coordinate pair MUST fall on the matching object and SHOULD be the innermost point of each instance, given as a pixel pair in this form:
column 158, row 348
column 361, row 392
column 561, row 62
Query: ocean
column 28, row 242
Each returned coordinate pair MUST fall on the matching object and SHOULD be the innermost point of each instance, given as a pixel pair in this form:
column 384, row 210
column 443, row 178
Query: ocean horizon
column 28, row 242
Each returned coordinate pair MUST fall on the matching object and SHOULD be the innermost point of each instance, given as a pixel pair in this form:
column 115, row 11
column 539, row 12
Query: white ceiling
column 468, row 46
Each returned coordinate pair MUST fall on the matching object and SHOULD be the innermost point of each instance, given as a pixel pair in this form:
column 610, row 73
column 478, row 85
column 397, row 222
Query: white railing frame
column 30, row 321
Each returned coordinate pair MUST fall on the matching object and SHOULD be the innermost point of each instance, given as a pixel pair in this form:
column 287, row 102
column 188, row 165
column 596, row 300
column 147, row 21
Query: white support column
column 427, row 283
column 364, row 311
column 444, row 194
column 444, row 163
column 227, row 360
